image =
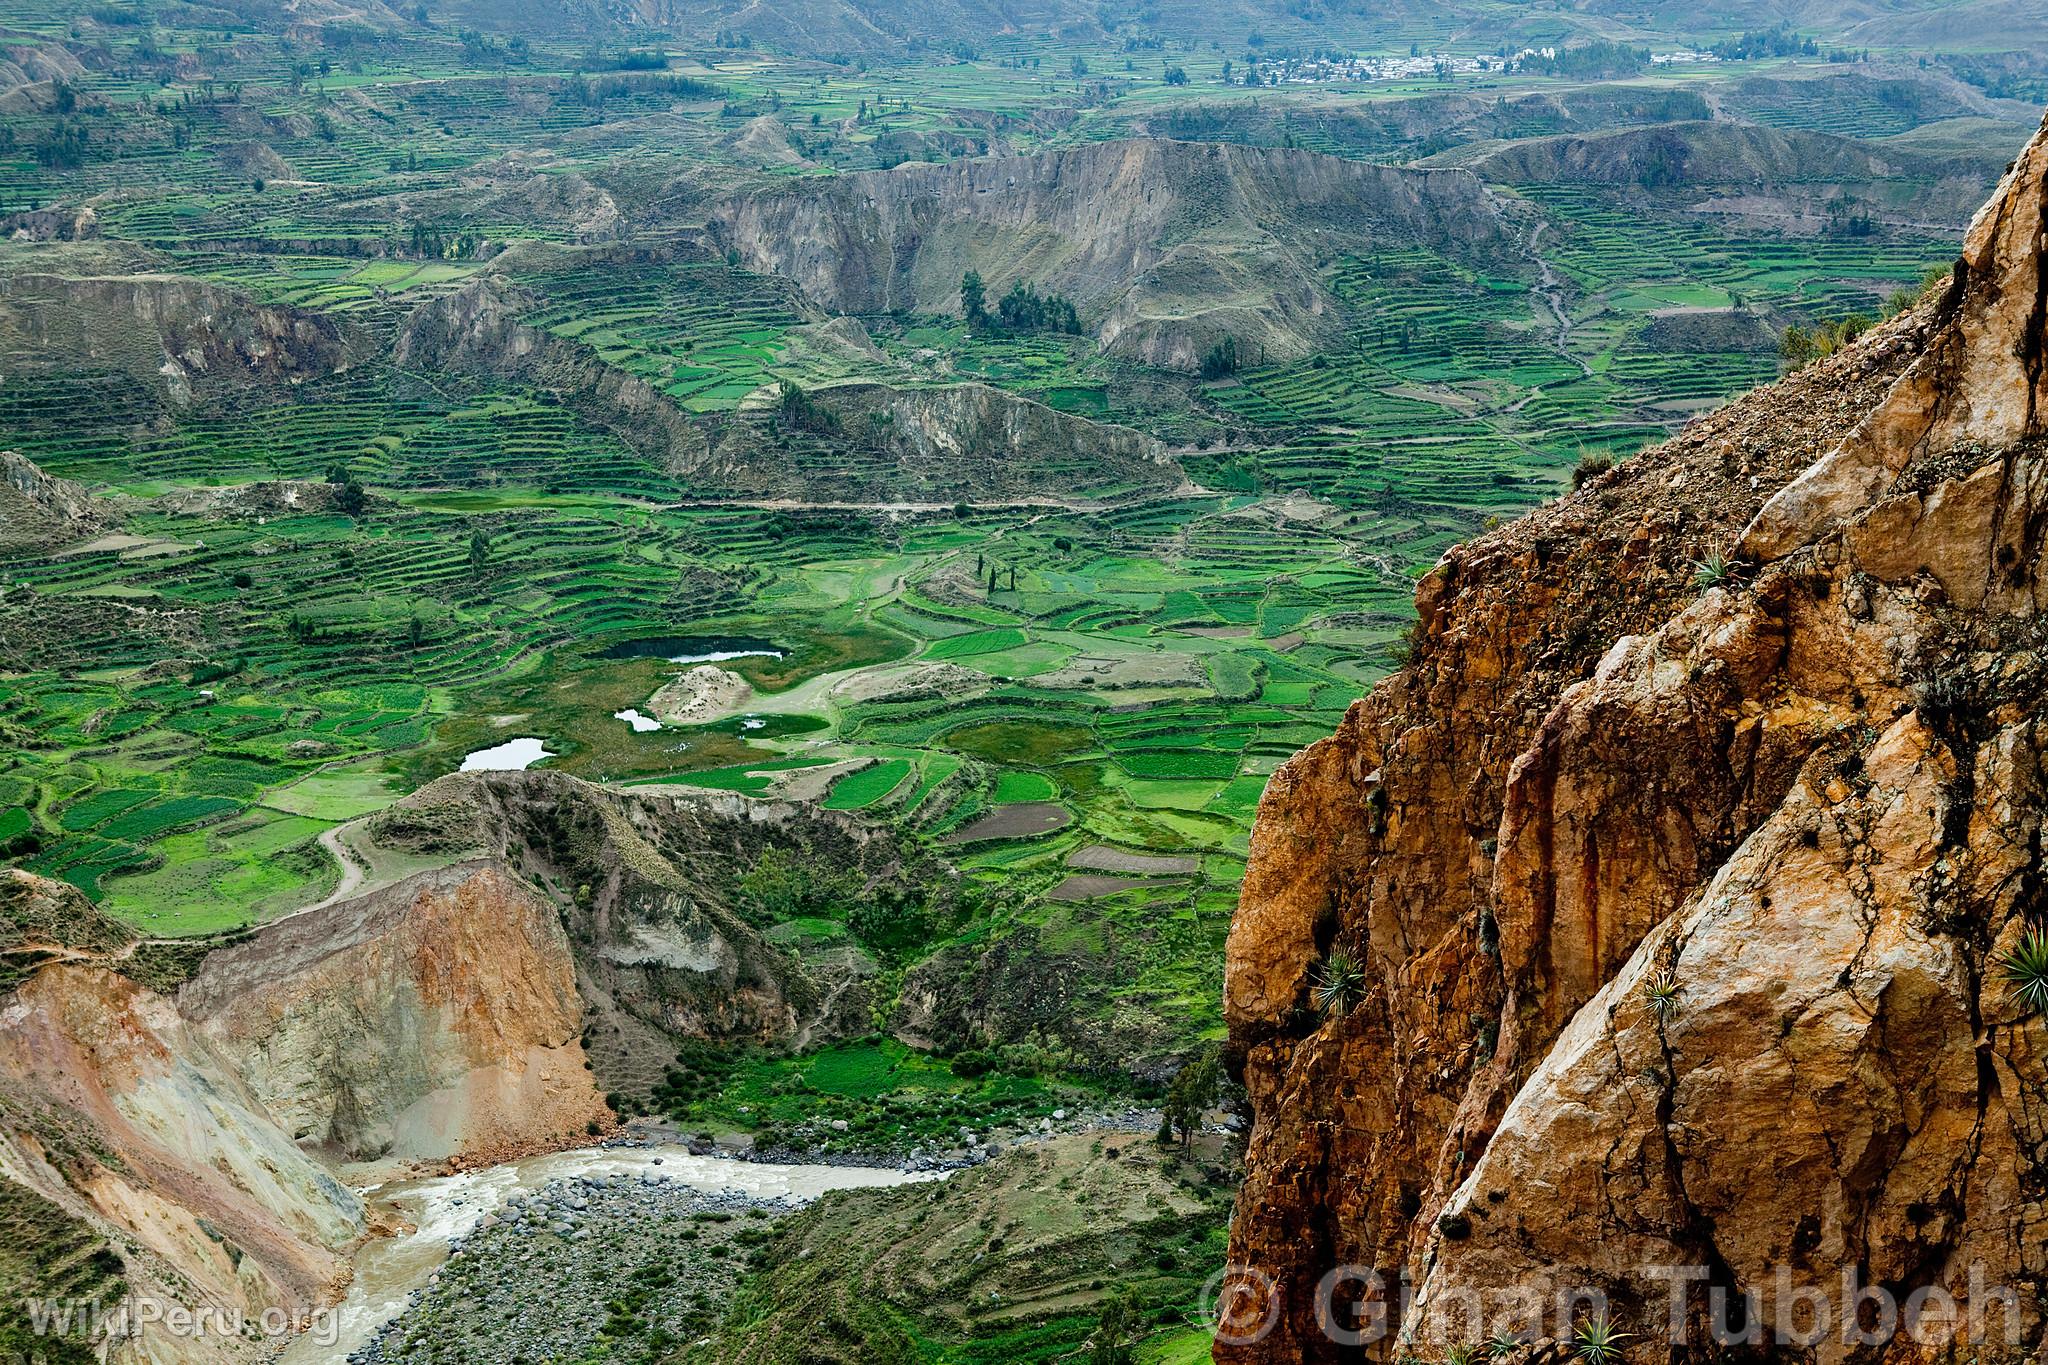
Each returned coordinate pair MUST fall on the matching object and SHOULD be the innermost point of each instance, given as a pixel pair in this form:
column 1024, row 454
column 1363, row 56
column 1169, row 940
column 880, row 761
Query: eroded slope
column 1165, row 247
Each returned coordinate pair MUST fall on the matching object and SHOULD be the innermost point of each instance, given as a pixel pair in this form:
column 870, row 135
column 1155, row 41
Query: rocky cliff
column 436, row 1018
column 1790, row 179
column 182, row 339
column 882, row 444
column 477, row 329
column 665, row 942
column 186, row 1111
column 192, row 1127
column 39, row 509
column 1666, row 909
column 858, row 442
column 129, row 1124
column 1165, row 247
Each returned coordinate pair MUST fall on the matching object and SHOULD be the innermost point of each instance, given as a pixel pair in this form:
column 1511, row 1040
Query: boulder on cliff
column 39, row 510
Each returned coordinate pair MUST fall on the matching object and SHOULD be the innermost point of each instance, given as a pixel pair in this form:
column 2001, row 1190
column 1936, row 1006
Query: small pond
column 695, row 649
column 510, row 756
column 642, row 725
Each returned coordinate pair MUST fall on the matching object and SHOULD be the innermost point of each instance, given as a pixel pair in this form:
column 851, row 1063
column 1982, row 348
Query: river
column 442, row 1209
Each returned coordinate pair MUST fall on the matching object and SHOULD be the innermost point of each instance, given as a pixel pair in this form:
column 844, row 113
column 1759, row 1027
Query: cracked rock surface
column 1685, row 893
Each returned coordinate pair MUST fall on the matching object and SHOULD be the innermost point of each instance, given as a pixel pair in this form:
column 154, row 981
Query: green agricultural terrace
column 627, row 392
column 412, row 370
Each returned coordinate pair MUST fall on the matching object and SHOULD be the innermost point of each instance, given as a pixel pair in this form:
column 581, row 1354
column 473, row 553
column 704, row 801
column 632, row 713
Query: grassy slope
column 1010, row 1265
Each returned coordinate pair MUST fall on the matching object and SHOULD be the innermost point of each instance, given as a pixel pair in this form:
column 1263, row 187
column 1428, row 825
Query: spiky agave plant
column 1661, row 993
column 2025, row 970
column 1501, row 1345
column 1338, row 984
column 1714, row 569
column 1596, row 1342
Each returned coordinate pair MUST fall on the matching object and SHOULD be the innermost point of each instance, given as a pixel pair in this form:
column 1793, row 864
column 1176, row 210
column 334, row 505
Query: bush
column 1592, row 464
column 971, row 1064
column 1803, row 345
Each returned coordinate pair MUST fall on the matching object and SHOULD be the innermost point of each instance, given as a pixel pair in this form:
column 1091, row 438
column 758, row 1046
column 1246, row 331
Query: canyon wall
column 197, row 1126
column 182, row 339
column 884, row 444
column 1682, row 866
column 125, row 1118
column 192, row 1110
column 1164, row 247
column 436, row 1018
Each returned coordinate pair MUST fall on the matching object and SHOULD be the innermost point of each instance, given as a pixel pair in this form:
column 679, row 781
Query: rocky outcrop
column 477, row 329
column 122, row 1116
column 1982, row 383
column 193, row 1131
column 183, row 339
column 879, row 443
column 667, row 946
column 1702, row 152
column 45, row 921
column 436, row 1018
column 1165, row 247
column 67, row 223
column 858, row 442
column 1682, row 868
column 1784, row 180
column 254, row 501
column 40, row 510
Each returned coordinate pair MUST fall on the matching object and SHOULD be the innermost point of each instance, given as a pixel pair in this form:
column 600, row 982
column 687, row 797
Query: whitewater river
column 447, row 1207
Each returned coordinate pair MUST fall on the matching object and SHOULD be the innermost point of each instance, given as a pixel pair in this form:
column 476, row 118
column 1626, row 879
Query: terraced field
column 706, row 335
column 445, row 459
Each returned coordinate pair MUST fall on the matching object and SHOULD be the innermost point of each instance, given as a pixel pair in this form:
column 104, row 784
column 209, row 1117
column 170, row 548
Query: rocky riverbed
column 535, row 1251
column 640, row 1239
column 630, row 1257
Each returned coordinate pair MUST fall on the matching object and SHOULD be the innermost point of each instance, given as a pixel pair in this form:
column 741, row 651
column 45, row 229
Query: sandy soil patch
column 1128, row 670
column 812, row 784
column 910, row 682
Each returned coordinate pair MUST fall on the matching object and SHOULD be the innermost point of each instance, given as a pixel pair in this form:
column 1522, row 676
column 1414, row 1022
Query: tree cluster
column 1221, row 359
column 798, row 411
column 1766, row 42
column 1023, row 309
column 1601, row 60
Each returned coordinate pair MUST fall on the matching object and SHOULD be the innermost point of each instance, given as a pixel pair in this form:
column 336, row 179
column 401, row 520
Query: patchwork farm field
column 1127, row 691
column 403, row 376
column 932, row 485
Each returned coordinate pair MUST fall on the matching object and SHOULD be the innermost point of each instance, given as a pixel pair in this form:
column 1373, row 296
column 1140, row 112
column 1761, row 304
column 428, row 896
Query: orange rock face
column 1684, row 898
column 122, row 1114
column 438, row 1018
column 434, row 1019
